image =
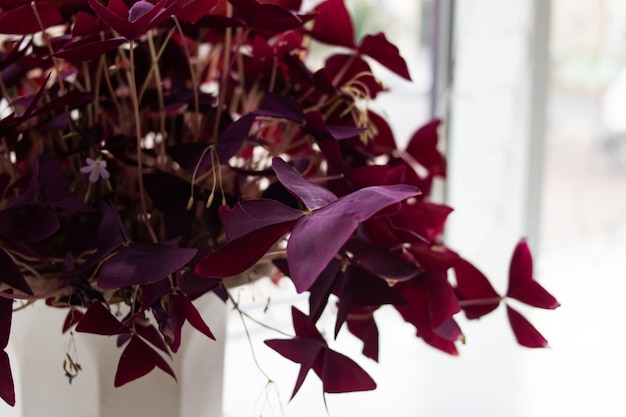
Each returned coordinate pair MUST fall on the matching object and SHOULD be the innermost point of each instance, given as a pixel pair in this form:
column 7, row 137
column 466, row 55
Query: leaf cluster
column 150, row 151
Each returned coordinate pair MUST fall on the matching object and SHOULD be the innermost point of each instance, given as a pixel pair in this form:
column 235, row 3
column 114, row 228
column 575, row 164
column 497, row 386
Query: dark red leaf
column 11, row 274
column 333, row 24
column 24, row 20
column 341, row 374
column 87, row 51
column 266, row 19
column 525, row 333
column 361, row 324
column 522, row 286
column 423, row 148
column 137, row 360
column 352, row 72
column 152, row 335
column 73, row 317
column 86, row 24
column 386, row 53
column 430, row 303
column 99, row 320
column 423, row 218
column 194, row 318
column 6, row 313
column 194, row 10
column 7, row 391
column 242, row 253
column 471, row 284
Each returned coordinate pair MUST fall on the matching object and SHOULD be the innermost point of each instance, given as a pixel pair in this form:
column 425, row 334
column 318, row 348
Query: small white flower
column 96, row 169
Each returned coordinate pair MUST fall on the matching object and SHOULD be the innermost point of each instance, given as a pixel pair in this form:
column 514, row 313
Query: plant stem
column 135, row 101
column 480, row 301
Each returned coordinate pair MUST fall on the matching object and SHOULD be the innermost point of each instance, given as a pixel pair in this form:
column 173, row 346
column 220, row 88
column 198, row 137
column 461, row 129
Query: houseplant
column 153, row 152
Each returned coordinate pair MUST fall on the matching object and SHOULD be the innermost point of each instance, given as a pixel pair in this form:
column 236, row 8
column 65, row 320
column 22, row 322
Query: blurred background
column 533, row 95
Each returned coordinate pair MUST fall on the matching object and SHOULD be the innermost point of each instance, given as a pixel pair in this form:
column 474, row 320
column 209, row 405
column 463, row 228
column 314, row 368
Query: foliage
column 151, row 151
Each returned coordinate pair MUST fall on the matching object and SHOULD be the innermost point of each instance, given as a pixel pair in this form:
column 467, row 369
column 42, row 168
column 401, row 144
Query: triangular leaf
column 142, row 263
column 525, row 333
column 522, row 286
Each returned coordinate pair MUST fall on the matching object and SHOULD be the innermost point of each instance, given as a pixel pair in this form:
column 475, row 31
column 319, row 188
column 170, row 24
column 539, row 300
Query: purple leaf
column 242, row 253
column 24, row 21
column 55, row 191
column 142, row 19
column 316, row 126
column 312, row 195
column 522, row 286
column 28, row 223
column 525, row 333
column 387, row 54
column 152, row 335
column 317, row 238
column 314, row 242
column 139, row 9
column 337, row 372
column 276, row 105
column 142, row 263
column 322, row 288
column 380, row 261
column 233, row 137
column 361, row 288
column 250, row 215
column 300, row 350
column 11, row 274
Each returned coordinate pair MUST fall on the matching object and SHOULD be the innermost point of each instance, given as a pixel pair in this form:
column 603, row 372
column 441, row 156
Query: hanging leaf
column 525, row 333
column 522, row 285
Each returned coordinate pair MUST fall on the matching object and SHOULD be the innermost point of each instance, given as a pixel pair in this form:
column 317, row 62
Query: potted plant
column 153, row 152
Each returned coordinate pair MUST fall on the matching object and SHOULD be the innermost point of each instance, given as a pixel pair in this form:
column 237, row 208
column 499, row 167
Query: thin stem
column 144, row 86
column 480, row 301
column 34, row 297
column 225, row 71
column 133, row 94
column 245, row 326
column 194, row 80
column 158, row 81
